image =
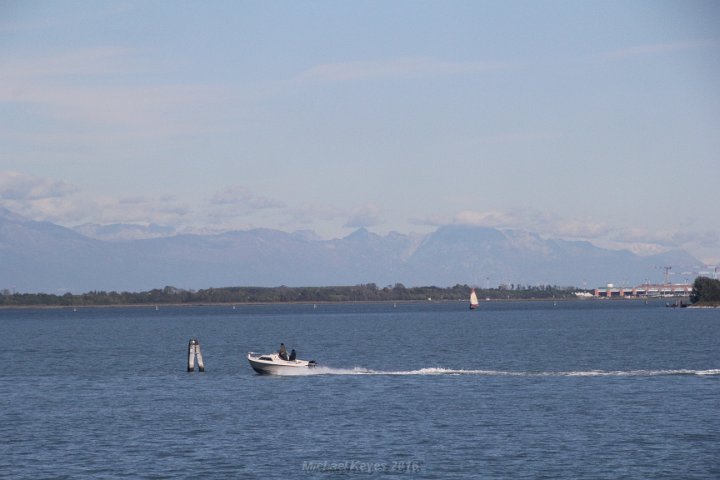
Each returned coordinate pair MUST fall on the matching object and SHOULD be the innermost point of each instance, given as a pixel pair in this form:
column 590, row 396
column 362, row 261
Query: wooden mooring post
column 194, row 351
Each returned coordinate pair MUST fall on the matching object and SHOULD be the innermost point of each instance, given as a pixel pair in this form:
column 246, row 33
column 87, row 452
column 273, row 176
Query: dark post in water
column 193, row 351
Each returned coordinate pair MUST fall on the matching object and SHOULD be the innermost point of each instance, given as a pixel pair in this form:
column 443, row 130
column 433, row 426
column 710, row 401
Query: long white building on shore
column 646, row 290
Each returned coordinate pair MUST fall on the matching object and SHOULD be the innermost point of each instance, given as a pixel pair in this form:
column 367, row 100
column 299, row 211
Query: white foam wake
column 321, row 370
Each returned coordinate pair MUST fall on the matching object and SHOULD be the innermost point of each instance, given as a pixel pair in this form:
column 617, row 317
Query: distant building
column 646, row 290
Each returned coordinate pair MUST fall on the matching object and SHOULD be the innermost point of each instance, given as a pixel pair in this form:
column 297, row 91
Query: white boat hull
column 272, row 364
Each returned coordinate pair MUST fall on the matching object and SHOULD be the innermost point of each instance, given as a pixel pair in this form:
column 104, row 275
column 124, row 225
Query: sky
column 595, row 121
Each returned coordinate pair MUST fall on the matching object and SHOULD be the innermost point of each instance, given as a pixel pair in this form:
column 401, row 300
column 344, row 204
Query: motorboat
column 272, row 364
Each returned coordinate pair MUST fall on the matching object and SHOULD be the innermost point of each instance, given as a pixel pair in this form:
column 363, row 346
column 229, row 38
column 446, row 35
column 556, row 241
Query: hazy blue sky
column 573, row 119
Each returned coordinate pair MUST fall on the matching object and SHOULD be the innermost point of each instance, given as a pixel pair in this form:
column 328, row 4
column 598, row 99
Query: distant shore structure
column 645, row 291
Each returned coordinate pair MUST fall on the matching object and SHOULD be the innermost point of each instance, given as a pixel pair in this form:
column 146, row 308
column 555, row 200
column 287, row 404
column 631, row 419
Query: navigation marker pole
column 194, row 351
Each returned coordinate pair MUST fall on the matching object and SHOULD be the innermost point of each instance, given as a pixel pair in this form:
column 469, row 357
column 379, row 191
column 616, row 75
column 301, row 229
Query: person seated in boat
column 282, row 353
column 293, row 356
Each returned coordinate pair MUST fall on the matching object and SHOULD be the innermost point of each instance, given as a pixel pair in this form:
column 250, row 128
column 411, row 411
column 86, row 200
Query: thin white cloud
column 84, row 62
column 63, row 211
column 516, row 137
column 13, row 21
column 516, row 218
column 395, row 68
column 365, row 216
column 143, row 210
column 136, row 200
column 542, row 223
column 104, row 112
column 104, row 94
column 21, row 186
column 10, row 26
column 487, row 218
column 47, row 199
column 524, row 219
column 243, row 197
column 236, row 207
column 657, row 48
column 586, row 229
column 308, row 215
column 666, row 238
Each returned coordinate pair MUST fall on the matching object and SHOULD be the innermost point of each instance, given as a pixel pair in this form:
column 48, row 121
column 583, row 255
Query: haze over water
column 514, row 390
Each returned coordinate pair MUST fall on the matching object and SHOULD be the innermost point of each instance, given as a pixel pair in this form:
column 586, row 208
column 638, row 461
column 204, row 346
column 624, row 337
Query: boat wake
column 320, row 370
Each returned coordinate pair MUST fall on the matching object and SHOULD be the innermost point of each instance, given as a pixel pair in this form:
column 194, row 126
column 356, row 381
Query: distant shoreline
column 242, row 304
column 160, row 306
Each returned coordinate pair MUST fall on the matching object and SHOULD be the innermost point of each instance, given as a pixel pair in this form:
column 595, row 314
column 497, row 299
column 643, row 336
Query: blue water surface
column 583, row 389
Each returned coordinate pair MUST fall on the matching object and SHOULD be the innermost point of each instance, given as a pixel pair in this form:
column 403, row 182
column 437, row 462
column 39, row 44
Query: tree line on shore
column 706, row 291
column 358, row 293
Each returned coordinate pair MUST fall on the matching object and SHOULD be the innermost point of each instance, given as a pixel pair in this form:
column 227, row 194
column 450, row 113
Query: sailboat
column 473, row 300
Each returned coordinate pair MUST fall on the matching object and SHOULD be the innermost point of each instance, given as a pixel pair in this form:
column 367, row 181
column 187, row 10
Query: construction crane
column 667, row 274
column 704, row 271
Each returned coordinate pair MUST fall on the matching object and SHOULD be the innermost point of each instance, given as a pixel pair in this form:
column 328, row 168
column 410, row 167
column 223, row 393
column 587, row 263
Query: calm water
column 516, row 390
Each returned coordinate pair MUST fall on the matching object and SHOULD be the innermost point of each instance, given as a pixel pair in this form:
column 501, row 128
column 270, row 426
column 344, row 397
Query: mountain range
column 45, row 257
